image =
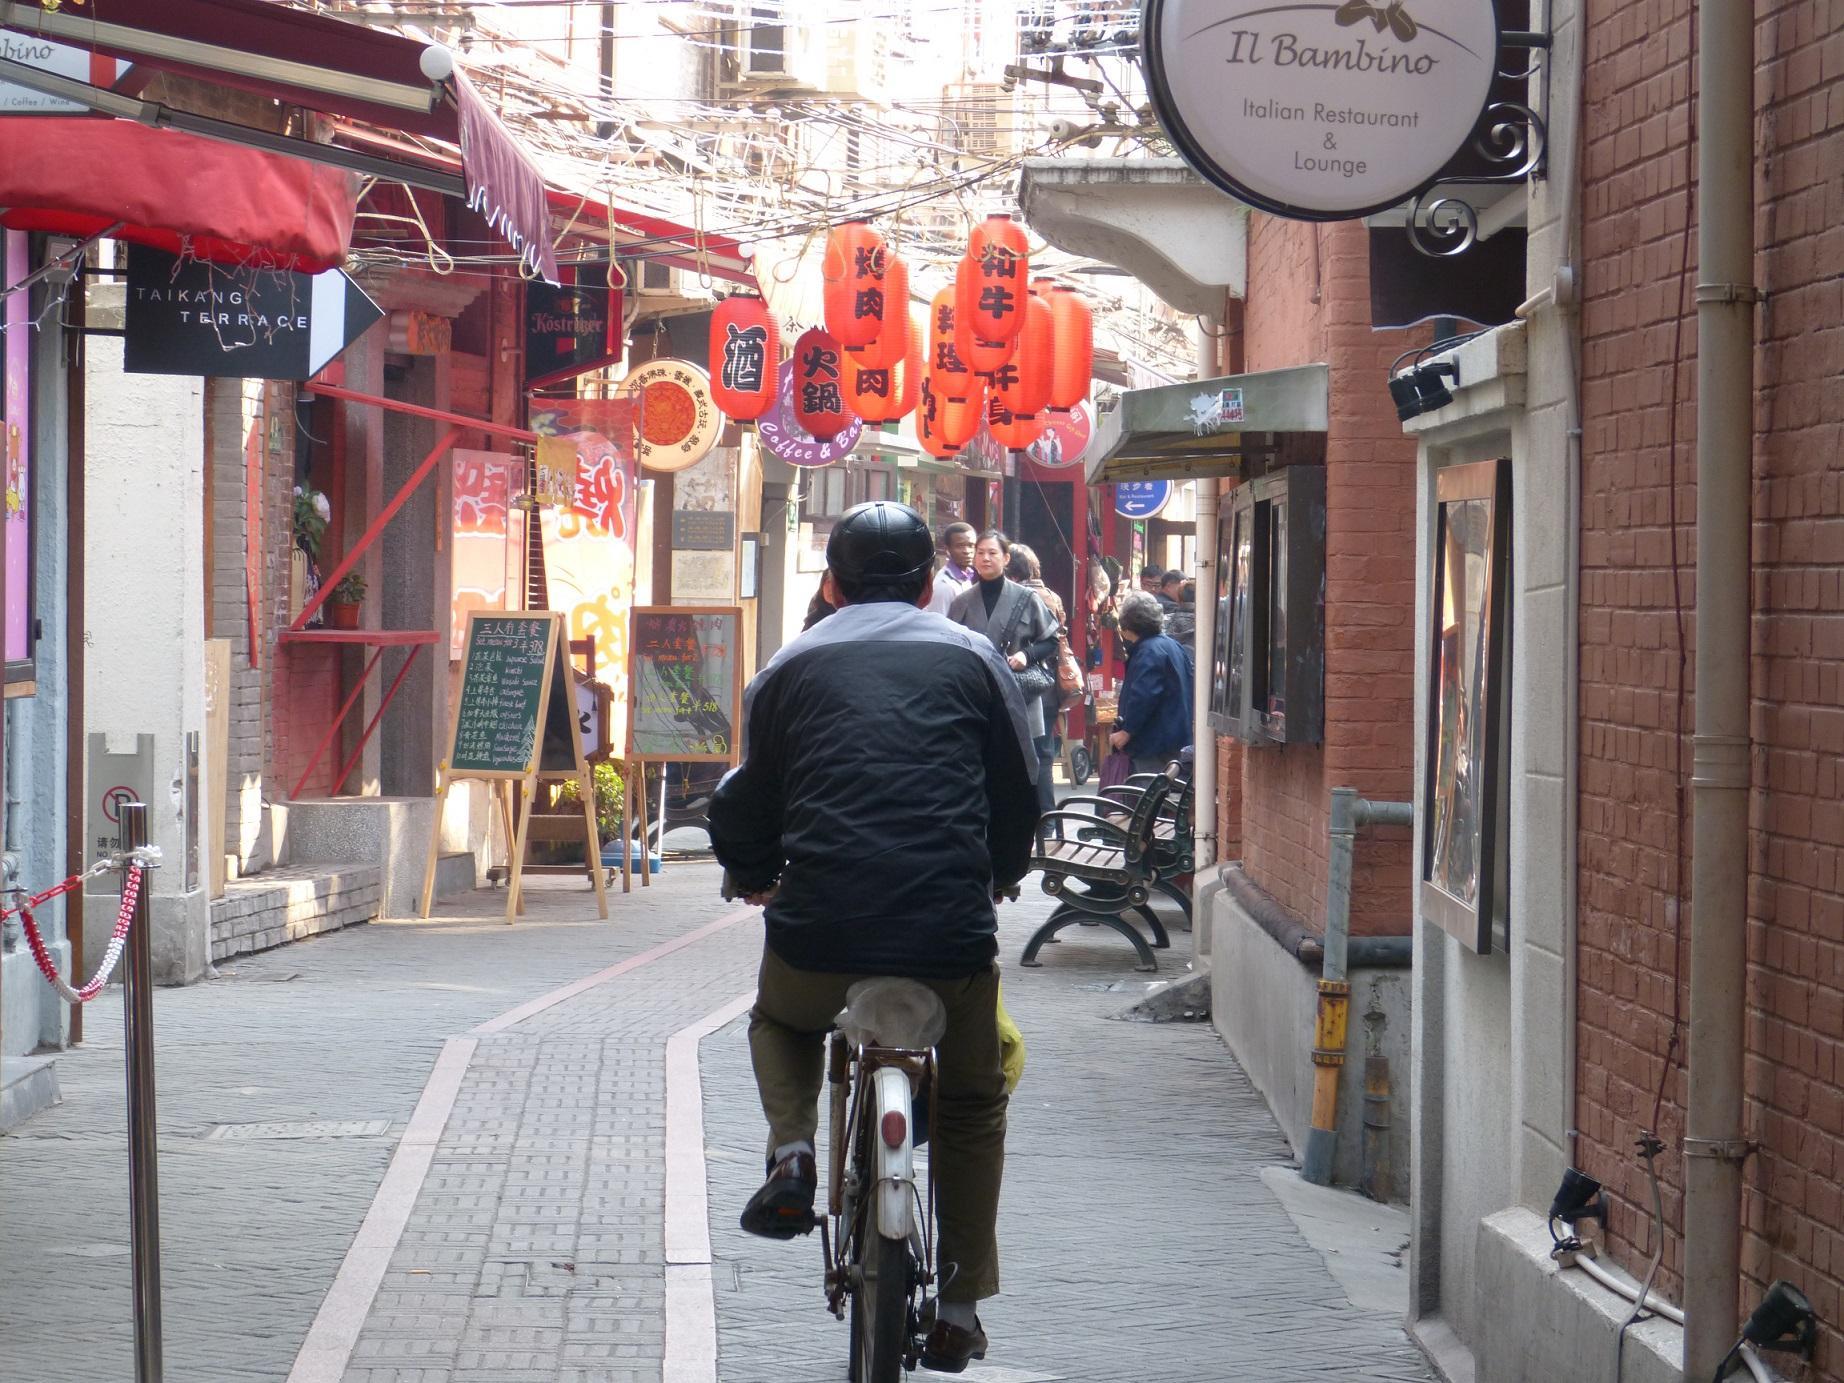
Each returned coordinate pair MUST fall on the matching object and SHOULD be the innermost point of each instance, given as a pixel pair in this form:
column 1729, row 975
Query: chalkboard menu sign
column 502, row 689
column 685, row 680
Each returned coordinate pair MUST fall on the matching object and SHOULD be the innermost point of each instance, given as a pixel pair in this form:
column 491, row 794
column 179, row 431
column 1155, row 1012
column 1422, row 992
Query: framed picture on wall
column 1268, row 665
column 1465, row 820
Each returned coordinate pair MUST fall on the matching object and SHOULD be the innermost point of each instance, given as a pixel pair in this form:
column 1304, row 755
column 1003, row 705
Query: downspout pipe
column 1203, row 739
column 1349, row 812
column 1713, row 1141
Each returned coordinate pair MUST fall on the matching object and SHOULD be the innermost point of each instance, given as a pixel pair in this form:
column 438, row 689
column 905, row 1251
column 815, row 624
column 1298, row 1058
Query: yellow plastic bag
column 1011, row 1047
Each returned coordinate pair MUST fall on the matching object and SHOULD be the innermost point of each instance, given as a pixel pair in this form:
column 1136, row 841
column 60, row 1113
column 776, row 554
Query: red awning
column 174, row 190
column 325, row 64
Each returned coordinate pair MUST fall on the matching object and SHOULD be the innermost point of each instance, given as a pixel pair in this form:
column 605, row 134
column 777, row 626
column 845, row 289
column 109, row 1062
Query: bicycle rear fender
column 896, row 1177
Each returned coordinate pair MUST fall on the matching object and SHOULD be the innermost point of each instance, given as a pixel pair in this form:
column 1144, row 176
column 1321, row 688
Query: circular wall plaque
column 1319, row 112
column 792, row 443
column 1141, row 499
column 679, row 420
column 1066, row 437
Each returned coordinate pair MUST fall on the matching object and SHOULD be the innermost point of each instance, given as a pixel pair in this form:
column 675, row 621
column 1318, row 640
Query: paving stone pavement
column 1140, row 1242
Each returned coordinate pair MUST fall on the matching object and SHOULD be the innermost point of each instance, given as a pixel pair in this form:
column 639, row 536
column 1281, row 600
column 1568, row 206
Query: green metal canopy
column 1234, row 425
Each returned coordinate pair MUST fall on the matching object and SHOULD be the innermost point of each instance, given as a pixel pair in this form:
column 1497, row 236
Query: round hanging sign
column 679, row 420
column 1067, row 433
column 786, row 439
column 1141, row 499
column 1319, row 112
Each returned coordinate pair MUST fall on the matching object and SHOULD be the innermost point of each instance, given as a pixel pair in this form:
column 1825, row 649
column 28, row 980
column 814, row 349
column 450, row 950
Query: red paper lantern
column 991, row 296
column 912, row 373
column 954, row 378
column 745, row 357
column 819, row 385
column 892, row 345
column 984, row 357
column 1072, row 325
column 1014, row 430
column 961, row 418
column 929, row 409
column 854, row 271
column 1024, row 384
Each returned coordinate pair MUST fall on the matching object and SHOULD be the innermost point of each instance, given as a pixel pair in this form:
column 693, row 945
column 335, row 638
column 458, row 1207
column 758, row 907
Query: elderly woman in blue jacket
column 1153, row 722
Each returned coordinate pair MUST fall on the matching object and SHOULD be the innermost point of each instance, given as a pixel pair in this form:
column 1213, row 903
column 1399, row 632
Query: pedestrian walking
column 1153, row 720
column 1011, row 615
column 955, row 574
column 1021, row 566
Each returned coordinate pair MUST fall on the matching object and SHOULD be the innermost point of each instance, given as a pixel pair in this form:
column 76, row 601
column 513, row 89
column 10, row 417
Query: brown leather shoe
column 783, row 1207
column 949, row 1348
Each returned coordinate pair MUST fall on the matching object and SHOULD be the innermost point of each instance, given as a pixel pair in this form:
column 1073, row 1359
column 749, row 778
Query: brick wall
column 1309, row 301
column 1634, row 217
column 247, row 419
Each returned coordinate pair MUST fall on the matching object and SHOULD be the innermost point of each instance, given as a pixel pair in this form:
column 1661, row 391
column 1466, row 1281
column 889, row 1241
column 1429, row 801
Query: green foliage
column 349, row 591
column 608, row 793
column 310, row 527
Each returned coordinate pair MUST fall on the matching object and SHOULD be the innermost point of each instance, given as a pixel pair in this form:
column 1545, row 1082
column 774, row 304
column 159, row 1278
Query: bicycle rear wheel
column 880, row 1309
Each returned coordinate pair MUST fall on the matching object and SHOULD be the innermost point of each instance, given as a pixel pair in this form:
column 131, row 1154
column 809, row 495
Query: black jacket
column 886, row 789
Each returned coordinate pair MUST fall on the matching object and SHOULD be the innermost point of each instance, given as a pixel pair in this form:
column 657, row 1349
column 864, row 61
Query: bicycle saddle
column 890, row 1012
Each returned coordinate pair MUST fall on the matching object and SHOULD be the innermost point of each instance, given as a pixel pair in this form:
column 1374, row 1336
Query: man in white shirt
column 957, row 574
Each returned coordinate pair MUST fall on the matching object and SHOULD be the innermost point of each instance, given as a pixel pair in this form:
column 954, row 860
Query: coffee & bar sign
column 1320, row 112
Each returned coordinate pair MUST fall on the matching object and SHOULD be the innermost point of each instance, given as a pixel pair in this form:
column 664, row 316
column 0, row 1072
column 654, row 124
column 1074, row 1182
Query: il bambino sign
column 1320, row 112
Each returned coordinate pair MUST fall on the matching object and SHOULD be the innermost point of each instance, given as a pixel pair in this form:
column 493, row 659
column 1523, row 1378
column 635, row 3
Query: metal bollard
column 143, row 1166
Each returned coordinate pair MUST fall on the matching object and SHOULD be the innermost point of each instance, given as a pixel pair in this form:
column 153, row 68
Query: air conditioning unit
column 772, row 52
column 653, row 279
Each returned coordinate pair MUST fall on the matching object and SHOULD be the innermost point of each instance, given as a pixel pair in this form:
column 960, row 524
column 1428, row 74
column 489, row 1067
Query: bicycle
column 878, row 1233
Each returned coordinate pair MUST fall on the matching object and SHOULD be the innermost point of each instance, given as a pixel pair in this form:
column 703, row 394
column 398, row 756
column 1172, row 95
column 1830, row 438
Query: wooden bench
column 1104, row 867
column 1173, row 843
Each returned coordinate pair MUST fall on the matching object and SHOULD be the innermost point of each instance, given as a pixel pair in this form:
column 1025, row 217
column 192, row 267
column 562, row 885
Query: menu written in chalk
column 684, row 684
column 496, row 723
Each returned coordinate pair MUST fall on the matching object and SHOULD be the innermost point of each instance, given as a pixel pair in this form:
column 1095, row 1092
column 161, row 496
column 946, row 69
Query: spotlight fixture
column 1784, row 1320
column 1420, row 390
column 1578, row 1198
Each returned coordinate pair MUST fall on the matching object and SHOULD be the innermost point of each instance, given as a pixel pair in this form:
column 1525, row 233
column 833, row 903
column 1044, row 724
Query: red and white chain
column 138, row 862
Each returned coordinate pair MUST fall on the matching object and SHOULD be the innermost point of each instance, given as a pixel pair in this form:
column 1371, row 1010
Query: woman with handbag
column 1022, row 566
column 1021, row 629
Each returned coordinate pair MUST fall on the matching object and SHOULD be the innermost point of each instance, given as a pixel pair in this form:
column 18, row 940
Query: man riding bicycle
column 884, row 802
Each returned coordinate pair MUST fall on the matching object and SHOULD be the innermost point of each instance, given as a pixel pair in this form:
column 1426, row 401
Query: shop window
column 1268, row 666
column 1465, row 817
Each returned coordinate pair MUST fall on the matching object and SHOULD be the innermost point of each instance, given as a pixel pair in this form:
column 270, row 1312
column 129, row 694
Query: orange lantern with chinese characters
column 912, row 373
column 1016, row 430
column 871, row 390
column 1028, row 374
column 991, row 294
column 960, row 418
column 819, row 385
column 745, row 357
column 1072, row 328
column 854, row 271
column 953, row 377
column 929, row 409
column 982, row 356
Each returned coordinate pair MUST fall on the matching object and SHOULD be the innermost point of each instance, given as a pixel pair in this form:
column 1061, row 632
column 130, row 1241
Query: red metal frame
column 377, row 716
column 413, row 639
column 458, row 423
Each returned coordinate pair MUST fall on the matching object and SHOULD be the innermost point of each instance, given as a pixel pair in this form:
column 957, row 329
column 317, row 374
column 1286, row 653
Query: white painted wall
column 144, row 617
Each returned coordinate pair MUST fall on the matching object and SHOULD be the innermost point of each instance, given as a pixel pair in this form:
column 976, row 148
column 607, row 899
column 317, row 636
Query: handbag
column 1034, row 679
column 1116, row 768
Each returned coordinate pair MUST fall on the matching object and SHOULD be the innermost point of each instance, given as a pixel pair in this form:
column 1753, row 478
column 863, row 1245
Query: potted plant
column 345, row 601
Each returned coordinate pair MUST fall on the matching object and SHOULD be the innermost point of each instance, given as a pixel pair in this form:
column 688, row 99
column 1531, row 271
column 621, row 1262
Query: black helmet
column 880, row 544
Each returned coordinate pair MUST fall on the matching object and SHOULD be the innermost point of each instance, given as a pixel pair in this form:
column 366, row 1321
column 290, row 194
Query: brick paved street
column 1140, row 1241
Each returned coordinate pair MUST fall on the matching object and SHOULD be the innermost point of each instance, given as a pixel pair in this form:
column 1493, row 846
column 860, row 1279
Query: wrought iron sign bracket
column 1512, row 139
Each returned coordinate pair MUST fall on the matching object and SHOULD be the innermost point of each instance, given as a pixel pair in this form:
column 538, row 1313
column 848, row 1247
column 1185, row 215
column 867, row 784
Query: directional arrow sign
column 188, row 317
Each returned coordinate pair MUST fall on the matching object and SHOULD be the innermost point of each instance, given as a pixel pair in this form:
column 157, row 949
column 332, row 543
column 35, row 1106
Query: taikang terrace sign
column 1320, row 112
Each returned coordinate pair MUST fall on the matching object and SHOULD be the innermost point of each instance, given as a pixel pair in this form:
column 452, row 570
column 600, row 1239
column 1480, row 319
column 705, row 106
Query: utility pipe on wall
column 1203, row 739
column 1713, row 1143
column 1349, row 811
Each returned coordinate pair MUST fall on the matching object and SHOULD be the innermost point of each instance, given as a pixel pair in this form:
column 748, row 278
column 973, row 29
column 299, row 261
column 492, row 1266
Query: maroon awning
column 89, row 176
column 322, row 63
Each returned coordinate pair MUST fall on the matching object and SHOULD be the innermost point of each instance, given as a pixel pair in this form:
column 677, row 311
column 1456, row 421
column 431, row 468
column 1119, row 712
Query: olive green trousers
column 795, row 1009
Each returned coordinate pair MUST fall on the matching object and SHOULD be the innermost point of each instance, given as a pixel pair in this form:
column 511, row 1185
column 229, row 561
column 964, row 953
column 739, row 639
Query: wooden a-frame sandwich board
column 514, row 726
